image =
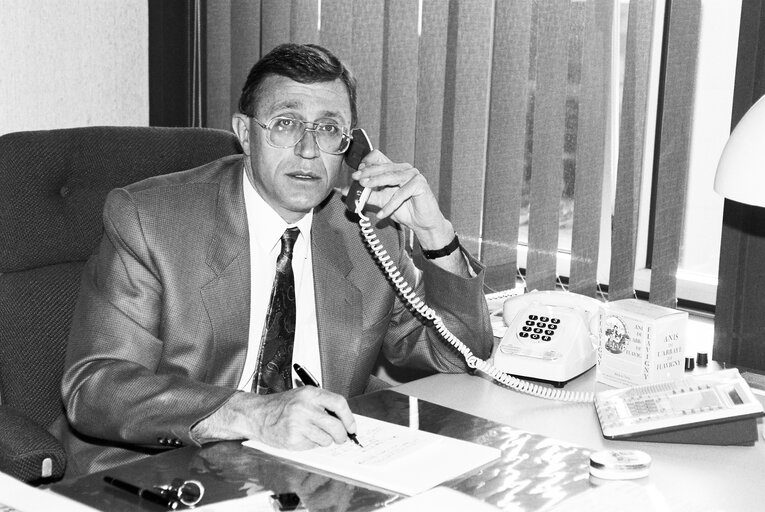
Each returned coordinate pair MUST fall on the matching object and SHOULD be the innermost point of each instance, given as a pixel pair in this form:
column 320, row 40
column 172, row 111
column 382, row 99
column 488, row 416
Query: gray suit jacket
column 160, row 331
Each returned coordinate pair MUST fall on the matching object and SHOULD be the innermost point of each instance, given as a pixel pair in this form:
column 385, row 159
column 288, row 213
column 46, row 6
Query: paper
column 16, row 496
column 260, row 502
column 396, row 458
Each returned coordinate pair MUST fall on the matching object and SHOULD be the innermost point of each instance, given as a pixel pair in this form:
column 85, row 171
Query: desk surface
column 545, row 457
column 690, row 477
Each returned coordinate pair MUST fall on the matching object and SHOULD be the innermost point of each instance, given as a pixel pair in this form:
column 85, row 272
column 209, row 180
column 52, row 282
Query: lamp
column 741, row 169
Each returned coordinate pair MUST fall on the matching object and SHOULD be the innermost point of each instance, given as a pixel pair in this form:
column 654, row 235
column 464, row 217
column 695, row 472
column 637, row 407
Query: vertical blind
column 506, row 108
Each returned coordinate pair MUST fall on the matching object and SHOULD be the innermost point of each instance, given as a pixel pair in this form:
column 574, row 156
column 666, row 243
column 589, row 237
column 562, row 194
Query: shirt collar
column 266, row 226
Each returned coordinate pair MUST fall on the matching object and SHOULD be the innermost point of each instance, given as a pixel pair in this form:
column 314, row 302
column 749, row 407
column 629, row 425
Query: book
column 392, row 457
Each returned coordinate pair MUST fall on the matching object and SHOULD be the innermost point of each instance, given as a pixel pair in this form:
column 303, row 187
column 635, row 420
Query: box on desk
column 640, row 343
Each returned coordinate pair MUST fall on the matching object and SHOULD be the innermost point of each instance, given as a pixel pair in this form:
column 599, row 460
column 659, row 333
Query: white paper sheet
column 16, row 496
column 393, row 457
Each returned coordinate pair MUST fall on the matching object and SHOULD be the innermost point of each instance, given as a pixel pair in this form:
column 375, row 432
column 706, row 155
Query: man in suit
column 169, row 334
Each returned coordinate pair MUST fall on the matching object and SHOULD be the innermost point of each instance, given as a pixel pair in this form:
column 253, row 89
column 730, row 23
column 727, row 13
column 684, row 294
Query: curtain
column 507, row 108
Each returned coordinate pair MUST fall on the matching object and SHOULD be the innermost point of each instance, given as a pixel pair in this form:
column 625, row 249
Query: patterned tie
column 274, row 372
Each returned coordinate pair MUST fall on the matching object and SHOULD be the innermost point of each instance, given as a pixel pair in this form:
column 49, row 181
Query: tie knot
column 288, row 242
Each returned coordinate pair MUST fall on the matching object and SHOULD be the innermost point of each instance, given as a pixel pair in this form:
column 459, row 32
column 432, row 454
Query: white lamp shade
column 741, row 170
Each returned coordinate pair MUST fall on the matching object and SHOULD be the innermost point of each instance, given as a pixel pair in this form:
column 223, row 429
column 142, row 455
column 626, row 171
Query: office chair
column 53, row 185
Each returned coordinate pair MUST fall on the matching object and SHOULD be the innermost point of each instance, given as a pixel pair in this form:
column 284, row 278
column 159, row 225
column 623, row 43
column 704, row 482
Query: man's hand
column 403, row 194
column 296, row 419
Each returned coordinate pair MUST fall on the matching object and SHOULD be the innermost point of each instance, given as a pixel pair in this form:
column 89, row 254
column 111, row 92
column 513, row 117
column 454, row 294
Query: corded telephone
column 541, row 327
column 355, row 201
column 551, row 336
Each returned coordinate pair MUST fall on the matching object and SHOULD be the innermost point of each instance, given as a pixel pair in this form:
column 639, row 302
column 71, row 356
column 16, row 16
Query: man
column 171, row 330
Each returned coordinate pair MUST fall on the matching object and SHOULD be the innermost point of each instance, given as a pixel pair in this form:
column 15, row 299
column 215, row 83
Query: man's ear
column 241, row 125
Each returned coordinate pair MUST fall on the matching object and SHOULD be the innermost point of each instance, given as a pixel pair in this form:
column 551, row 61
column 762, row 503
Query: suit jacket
column 159, row 335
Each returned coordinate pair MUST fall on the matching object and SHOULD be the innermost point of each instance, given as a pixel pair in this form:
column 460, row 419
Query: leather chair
column 52, row 188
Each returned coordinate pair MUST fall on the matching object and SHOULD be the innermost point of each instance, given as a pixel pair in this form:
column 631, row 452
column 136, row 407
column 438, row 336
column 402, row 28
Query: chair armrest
column 28, row 452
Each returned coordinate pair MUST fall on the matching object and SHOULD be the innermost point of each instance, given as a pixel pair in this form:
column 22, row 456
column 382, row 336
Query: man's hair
column 303, row 63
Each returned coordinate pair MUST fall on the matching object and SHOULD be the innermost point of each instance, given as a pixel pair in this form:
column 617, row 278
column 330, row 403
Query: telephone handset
column 551, row 336
column 360, row 147
column 355, row 202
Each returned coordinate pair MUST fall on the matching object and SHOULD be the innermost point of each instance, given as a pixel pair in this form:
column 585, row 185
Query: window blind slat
column 594, row 94
column 549, row 129
column 674, row 149
column 631, row 147
column 431, row 87
column 276, row 24
column 367, row 63
column 506, row 143
column 218, row 63
column 336, row 34
column 399, row 98
column 304, row 21
column 467, row 101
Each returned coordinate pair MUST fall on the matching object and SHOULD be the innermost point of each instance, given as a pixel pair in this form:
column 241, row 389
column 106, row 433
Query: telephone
column 551, row 336
column 355, row 202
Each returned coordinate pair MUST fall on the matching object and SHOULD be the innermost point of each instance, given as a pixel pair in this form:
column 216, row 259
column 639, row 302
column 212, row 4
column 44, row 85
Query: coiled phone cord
column 406, row 292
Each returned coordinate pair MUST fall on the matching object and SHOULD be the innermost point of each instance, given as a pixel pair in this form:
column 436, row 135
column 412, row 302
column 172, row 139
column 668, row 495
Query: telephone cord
column 407, row 293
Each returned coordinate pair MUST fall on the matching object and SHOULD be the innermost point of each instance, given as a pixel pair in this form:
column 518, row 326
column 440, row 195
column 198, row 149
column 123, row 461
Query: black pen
column 147, row 494
column 308, row 380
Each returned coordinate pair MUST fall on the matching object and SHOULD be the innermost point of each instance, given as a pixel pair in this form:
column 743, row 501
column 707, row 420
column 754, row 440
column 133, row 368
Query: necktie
column 274, row 373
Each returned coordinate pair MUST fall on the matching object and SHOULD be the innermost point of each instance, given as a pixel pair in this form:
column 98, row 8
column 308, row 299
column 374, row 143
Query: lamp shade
column 741, row 170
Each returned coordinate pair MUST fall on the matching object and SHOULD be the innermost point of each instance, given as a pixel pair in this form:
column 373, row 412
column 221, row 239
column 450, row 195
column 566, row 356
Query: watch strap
column 444, row 251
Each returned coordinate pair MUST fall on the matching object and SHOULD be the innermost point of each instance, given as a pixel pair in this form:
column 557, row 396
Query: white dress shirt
column 266, row 228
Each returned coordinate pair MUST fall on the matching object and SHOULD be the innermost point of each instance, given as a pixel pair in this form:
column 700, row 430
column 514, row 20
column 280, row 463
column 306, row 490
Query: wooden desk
column 690, row 477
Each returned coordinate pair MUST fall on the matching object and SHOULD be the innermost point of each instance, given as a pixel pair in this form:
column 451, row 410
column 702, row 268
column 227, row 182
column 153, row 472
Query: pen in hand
column 308, row 380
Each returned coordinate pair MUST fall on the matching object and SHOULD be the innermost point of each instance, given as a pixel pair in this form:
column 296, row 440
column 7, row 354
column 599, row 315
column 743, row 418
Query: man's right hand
column 296, row 419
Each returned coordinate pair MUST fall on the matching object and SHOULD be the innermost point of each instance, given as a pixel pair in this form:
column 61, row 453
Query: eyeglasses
column 286, row 132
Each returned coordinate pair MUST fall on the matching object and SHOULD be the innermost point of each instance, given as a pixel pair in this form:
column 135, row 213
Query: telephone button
column 546, row 338
column 533, row 317
column 530, row 323
column 555, row 320
column 541, row 325
column 544, row 319
column 526, row 328
column 523, row 334
column 552, row 326
column 549, row 332
column 538, row 330
column 535, row 336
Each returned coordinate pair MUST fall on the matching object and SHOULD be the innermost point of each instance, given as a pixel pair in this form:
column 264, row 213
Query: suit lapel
column 227, row 296
column 338, row 304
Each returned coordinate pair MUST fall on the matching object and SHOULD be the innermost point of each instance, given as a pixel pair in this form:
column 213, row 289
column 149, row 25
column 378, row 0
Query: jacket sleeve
column 458, row 301
column 112, row 387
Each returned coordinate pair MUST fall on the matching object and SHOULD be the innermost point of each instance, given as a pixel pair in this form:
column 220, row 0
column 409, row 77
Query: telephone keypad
column 539, row 328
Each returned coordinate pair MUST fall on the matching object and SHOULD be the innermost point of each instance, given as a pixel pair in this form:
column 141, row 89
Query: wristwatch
column 444, row 251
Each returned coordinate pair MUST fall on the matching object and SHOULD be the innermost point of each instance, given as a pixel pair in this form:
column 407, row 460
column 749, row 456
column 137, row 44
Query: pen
column 308, row 380
column 147, row 494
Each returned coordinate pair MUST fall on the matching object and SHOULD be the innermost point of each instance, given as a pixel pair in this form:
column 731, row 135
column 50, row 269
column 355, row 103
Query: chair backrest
column 52, row 188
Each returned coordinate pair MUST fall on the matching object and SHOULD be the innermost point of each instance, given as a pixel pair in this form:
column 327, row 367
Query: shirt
column 266, row 228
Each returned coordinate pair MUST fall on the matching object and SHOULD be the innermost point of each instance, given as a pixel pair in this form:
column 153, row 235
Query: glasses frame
column 347, row 137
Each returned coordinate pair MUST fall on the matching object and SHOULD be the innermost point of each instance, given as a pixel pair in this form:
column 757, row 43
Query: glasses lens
column 285, row 132
column 331, row 138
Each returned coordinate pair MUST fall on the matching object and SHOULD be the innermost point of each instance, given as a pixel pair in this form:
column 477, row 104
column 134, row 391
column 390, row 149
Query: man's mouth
column 304, row 176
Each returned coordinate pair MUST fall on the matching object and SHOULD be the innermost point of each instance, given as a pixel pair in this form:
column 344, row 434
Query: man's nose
column 308, row 146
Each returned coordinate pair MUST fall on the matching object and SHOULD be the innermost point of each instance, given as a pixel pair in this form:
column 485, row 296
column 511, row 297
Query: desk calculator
column 693, row 401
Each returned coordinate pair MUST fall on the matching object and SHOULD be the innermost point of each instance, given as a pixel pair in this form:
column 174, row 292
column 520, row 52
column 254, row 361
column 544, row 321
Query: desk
column 545, row 457
column 690, row 477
